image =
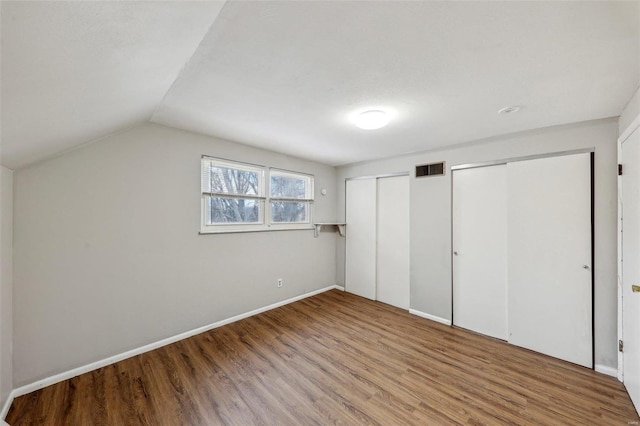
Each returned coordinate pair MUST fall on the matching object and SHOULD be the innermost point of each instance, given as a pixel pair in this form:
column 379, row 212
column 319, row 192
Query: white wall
column 107, row 255
column 430, row 205
column 6, row 235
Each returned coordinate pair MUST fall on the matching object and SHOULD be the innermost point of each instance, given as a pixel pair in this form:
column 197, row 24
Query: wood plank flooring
column 334, row 358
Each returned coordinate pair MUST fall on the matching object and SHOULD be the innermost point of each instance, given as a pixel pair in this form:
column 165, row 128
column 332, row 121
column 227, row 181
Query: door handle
column 585, row 266
column 635, row 288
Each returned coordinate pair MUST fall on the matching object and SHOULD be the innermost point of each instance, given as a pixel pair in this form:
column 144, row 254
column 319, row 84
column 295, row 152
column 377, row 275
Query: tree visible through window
column 290, row 197
column 226, row 180
column 233, row 197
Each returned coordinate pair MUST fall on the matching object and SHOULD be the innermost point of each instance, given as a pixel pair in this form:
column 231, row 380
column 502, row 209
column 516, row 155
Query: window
column 232, row 194
column 290, row 197
column 235, row 197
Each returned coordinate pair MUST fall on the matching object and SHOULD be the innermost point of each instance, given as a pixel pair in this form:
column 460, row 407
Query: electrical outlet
column 279, row 282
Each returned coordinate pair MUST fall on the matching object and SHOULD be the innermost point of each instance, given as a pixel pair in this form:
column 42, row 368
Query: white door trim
column 629, row 130
column 384, row 175
column 635, row 124
column 525, row 158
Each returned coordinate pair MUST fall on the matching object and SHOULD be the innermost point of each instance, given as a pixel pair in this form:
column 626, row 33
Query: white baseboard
column 23, row 390
column 430, row 317
column 7, row 405
column 604, row 369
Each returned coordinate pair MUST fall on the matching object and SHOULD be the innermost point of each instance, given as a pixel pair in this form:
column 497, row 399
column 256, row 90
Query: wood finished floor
column 333, row 358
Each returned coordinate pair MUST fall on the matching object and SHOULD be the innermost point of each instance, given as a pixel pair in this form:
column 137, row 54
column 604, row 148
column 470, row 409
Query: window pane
column 226, row 180
column 289, row 212
column 233, row 210
column 289, row 186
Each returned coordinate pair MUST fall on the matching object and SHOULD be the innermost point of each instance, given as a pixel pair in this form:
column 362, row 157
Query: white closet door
column 549, row 262
column 480, row 250
column 360, row 264
column 393, row 241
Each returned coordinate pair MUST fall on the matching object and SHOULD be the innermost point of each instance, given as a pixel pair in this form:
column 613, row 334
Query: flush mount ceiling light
column 372, row 119
column 509, row 109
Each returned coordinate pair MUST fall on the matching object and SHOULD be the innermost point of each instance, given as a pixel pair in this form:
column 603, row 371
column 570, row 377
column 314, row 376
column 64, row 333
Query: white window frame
column 263, row 197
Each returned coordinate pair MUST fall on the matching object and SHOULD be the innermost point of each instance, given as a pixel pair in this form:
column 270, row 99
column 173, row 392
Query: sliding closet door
column 393, row 241
column 360, row 262
column 549, row 261
column 480, row 250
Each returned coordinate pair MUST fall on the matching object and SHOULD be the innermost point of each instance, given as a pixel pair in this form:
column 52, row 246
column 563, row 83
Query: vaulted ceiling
column 289, row 75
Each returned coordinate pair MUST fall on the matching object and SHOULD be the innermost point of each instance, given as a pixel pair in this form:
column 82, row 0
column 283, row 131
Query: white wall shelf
column 338, row 225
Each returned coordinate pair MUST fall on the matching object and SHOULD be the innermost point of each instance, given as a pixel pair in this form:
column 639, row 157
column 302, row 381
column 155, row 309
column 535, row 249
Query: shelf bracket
column 317, row 227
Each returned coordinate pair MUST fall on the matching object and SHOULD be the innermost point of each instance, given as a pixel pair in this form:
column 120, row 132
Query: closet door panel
column 393, row 241
column 480, row 250
column 549, row 256
column 360, row 264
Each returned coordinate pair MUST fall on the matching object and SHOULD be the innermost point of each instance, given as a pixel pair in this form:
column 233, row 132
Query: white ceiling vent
column 433, row 169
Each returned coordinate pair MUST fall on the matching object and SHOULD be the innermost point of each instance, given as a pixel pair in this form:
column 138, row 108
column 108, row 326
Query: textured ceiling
column 75, row 71
column 287, row 76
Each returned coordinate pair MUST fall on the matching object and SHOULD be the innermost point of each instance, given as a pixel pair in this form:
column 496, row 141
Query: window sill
column 304, row 227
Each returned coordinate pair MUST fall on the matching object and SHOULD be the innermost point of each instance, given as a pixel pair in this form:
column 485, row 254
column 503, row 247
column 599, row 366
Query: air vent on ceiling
column 433, row 169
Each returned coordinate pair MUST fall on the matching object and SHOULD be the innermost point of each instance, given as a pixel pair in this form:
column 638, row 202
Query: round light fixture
column 372, row 119
column 509, row 109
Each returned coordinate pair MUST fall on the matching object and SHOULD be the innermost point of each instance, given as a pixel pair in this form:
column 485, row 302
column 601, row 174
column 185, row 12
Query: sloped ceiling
column 74, row 71
column 288, row 76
